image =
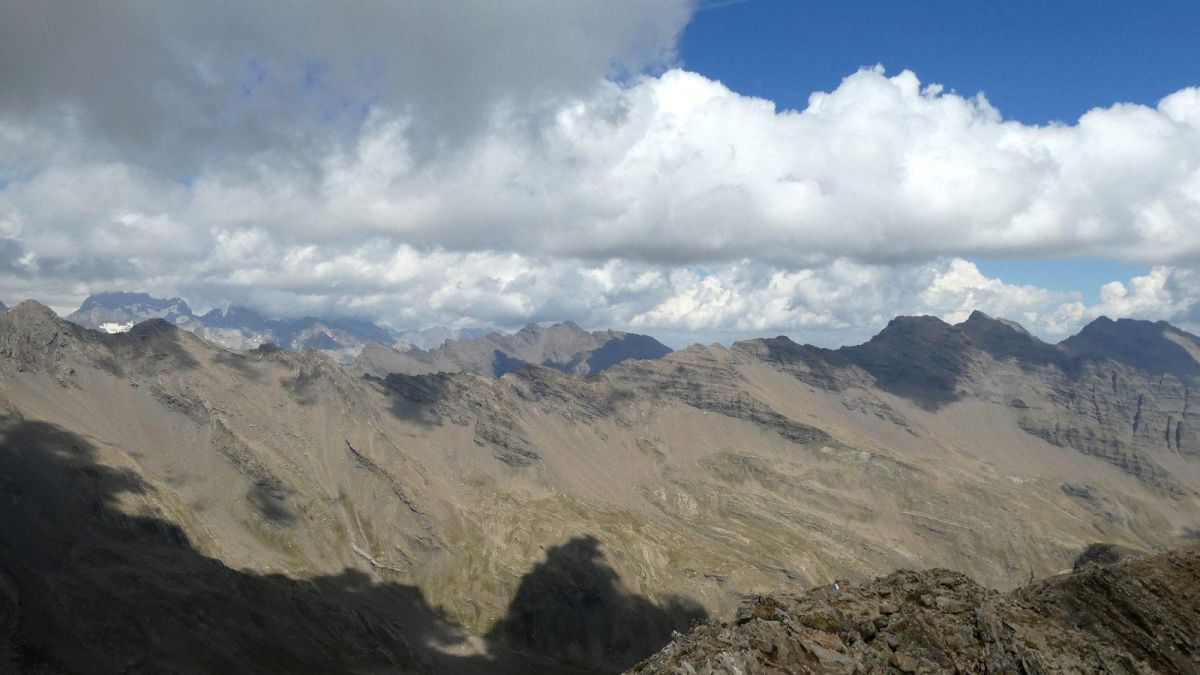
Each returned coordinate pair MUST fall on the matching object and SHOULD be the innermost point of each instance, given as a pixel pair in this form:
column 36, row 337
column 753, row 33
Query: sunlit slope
column 706, row 474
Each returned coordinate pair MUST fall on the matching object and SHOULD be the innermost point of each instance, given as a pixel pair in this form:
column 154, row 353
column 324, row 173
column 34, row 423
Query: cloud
column 181, row 85
column 459, row 163
column 677, row 169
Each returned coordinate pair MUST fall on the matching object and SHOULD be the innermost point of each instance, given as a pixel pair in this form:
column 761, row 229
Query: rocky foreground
column 1140, row 615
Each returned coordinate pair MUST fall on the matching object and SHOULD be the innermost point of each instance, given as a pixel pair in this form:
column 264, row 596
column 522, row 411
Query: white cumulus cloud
column 453, row 163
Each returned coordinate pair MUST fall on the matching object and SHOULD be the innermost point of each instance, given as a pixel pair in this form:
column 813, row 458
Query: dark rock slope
column 1137, row 616
column 1123, row 391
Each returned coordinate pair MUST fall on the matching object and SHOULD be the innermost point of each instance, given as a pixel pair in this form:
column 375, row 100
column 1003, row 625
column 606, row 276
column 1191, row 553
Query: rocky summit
column 1139, row 616
column 168, row 503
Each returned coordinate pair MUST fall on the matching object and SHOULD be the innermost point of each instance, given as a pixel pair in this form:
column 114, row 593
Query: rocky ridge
column 1121, row 391
column 563, row 346
column 1137, row 616
column 375, row 349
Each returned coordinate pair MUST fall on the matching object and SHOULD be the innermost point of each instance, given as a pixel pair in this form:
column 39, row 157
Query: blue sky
column 1038, row 62
column 1085, row 275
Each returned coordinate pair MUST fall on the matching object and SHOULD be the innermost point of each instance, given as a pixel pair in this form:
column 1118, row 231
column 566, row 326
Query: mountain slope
column 663, row 489
column 1082, row 394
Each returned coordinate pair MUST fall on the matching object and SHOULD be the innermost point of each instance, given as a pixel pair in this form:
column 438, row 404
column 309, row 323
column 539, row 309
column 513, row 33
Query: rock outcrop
column 1138, row 616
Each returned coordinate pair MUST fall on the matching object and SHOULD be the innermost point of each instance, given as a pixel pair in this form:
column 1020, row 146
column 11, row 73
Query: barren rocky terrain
column 171, row 504
column 1137, row 616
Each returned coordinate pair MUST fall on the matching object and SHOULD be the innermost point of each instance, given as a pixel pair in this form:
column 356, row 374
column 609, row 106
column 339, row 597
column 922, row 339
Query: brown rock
column 904, row 662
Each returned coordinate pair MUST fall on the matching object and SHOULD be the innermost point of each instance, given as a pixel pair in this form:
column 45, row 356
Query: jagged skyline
column 125, row 309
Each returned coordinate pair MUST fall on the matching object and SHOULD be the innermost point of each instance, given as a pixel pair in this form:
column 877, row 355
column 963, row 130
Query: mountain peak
column 918, row 357
column 1154, row 346
column 1004, row 338
column 567, row 328
column 155, row 326
column 915, row 322
column 30, row 310
column 978, row 318
column 115, row 300
column 561, row 328
column 909, row 329
column 233, row 314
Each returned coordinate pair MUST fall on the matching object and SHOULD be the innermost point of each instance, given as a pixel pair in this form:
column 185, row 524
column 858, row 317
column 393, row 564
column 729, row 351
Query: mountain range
column 174, row 504
column 563, row 346
column 377, row 349
column 233, row 327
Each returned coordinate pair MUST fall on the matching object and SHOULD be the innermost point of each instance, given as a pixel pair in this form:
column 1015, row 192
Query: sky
column 697, row 171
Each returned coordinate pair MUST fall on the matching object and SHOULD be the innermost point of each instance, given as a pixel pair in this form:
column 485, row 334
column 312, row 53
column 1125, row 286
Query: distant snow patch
column 116, row 327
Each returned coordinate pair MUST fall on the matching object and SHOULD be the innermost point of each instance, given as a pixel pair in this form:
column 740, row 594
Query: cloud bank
column 437, row 163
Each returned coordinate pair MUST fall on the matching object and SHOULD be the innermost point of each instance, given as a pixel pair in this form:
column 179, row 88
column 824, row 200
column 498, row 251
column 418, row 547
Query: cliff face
column 1137, row 616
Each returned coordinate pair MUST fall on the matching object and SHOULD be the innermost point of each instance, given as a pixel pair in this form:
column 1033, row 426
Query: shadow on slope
column 503, row 363
column 87, row 587
column 624, row 348
column 416, row 398
column 570, row 608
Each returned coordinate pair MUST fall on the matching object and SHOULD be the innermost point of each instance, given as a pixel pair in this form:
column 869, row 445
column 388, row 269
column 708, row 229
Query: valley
column 546, row 517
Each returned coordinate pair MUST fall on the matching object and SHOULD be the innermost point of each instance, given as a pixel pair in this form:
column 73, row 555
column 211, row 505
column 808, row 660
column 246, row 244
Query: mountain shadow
column 571, row 609
column 503, row 363
column 624, row 348
column 88, row 587
column 415, row 398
